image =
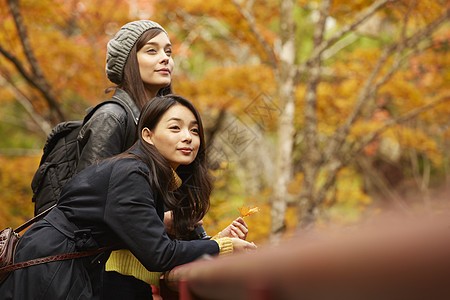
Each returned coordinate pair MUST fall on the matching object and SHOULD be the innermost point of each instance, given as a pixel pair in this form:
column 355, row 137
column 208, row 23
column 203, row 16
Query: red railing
column 407, row 259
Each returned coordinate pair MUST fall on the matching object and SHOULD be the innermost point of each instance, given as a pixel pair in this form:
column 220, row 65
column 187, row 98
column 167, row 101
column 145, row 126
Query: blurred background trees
column 321, row 113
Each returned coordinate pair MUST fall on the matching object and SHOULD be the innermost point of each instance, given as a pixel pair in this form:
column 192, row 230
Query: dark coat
column 105, row 134
column 111, row 201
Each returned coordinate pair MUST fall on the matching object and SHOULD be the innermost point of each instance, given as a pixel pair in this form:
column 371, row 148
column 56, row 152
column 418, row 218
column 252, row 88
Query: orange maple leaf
column 245, row 211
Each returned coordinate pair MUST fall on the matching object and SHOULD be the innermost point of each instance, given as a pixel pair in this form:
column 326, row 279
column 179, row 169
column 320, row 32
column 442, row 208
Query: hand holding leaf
column 237, row 229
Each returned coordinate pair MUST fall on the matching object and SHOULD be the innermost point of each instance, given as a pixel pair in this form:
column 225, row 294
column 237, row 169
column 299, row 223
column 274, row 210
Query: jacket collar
column 122, row 95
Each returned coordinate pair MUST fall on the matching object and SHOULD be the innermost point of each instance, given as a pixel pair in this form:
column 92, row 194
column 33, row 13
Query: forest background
column 321, row 113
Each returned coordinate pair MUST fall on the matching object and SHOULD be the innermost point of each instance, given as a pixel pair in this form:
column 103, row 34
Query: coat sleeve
column 102, row 136
column 131, row 213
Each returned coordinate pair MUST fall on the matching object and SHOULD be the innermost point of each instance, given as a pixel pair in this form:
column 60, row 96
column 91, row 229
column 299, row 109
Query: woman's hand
column 240, row 245
column 237, row 229
column 168, row 222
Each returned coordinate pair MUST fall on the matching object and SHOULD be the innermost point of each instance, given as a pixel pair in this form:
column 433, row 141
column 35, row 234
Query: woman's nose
column 165, row 58
column 187, row 137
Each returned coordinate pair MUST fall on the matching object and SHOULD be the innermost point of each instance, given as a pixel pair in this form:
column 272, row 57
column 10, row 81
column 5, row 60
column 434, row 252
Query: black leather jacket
column 105, row 133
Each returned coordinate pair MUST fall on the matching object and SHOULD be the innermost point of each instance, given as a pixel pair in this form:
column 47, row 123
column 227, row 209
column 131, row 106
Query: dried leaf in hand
column 245, row 211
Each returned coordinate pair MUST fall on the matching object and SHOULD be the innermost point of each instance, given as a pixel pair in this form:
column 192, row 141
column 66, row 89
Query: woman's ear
column 147, row 135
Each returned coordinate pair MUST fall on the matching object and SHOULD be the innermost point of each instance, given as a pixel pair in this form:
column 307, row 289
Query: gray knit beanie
column 120, row 46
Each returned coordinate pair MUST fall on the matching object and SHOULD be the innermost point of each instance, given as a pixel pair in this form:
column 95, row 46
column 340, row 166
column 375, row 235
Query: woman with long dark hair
column 121, row 201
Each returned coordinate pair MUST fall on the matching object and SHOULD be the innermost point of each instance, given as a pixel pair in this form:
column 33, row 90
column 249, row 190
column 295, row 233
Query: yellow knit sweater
column 125, row 263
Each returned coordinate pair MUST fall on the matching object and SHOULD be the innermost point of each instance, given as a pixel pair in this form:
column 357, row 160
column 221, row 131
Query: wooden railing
column 395, row 259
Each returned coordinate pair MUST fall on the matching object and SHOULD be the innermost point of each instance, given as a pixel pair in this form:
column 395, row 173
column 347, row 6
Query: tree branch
column 377, row 178
column 39, row 79
column 331, row 153
column 370, row 87
column 28, row 77
column 337, row 163
column 251, row 22
column 338, row 46
column 366, row 14
column 338, row 35
column 341, row 133
column 43, row 125
column 409, row 42
column 211, row 132
column 406, row 117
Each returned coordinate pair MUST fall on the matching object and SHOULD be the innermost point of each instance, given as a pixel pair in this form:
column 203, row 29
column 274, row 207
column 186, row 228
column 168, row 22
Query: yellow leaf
column 245, row 211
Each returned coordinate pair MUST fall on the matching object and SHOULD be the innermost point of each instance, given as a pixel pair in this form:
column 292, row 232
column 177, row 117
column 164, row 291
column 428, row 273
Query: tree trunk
column 285, row 78
column 313, row 157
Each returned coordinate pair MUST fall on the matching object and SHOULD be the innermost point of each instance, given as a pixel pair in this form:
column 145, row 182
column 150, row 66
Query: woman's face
column 156, row 63
column 176, row 136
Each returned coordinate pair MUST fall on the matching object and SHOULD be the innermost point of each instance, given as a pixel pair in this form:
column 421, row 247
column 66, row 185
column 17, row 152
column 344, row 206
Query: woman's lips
column 164, row 71
column 186, row 150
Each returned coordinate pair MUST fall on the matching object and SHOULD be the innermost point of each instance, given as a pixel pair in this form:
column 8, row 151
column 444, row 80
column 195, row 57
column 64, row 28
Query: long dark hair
column 132, row 82
column 190, row 201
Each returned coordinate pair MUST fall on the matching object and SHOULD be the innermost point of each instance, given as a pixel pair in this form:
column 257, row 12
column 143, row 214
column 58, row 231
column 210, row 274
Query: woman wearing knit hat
column 139, row 62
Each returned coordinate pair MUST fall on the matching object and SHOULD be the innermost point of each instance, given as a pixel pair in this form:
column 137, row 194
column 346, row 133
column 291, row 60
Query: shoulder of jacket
column 132, row 164
column 111, row 109
column 120, row 106
column 109, row 118
column 122, row 97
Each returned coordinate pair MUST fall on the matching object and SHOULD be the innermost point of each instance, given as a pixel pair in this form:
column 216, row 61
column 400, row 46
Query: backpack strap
column 131, row 116
column 34, row 219
column 132, row 119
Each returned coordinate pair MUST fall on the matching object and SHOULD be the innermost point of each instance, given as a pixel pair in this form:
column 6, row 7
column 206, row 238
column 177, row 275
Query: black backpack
column 60, row 157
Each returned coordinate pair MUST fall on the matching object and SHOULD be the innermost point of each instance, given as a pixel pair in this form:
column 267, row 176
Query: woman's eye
column 174, row 127
column 151, row 50
column 195, row 130
column 169, row 52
